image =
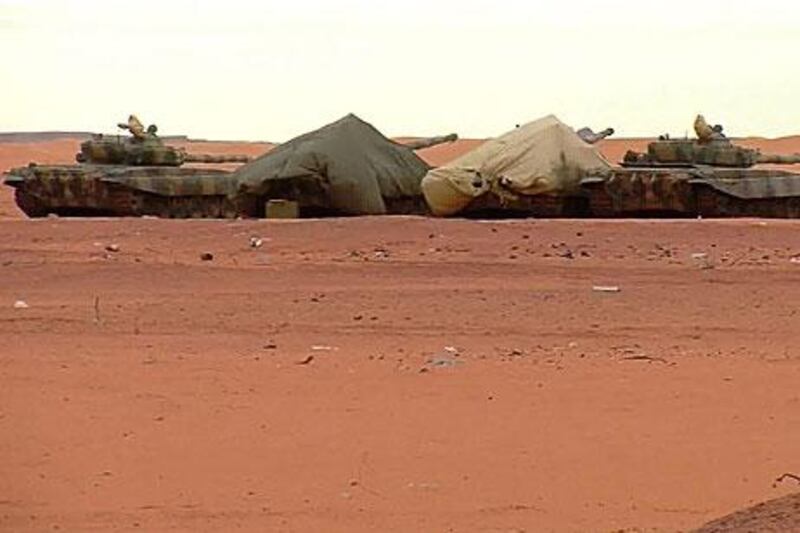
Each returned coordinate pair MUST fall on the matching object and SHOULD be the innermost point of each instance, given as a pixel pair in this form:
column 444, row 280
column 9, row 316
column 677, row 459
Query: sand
column 393, row 374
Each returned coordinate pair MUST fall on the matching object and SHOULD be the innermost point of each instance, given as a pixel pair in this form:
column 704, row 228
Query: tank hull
column 97, row 190
column 693, row 192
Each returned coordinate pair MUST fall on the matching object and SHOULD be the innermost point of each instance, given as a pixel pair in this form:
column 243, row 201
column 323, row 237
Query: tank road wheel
column 30, row 205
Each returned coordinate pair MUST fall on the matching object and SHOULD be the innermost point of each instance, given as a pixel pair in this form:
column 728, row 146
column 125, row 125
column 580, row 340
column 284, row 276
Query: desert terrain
column 393, row 373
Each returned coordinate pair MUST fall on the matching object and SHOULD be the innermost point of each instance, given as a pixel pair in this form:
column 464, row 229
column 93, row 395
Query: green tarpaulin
column 347, row 167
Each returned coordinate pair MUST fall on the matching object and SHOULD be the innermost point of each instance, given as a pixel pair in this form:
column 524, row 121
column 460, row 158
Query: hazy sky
column 269, row 70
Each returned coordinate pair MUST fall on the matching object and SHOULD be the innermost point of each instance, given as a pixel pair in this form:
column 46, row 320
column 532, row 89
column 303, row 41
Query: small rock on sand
column 606, row 288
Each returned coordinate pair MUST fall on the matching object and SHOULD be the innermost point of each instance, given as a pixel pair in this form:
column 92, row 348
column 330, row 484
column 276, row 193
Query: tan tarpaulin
column 542, row 157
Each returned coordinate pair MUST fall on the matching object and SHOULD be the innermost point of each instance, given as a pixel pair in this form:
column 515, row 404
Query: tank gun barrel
column 778, row 159
column 590, row 137
column 208, row 158
column 427, row 142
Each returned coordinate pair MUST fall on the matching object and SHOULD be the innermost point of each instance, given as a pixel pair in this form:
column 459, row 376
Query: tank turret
column 710, row 148
column 143, row 148
column 691, row 152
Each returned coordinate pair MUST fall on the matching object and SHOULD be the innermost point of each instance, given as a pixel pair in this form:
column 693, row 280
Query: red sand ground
column 459, row 376
column 178, row 402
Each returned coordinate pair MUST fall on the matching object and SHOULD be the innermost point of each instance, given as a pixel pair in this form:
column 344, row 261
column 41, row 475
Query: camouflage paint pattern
column 117, row 150
column 716, row 153
column 124, row 191
column 704, row 192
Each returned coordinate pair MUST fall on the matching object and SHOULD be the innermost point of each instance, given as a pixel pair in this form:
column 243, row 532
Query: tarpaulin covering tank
column 542, row 157
column 347, row 167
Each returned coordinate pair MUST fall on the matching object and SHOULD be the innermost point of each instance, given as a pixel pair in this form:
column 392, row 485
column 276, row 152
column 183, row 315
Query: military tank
column 128, row 175
column 708, row 176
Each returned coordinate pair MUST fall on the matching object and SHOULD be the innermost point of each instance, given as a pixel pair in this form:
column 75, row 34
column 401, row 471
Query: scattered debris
column 305, row 361
column 441, row 362
column 606, row 288
column 206, row 256
column 645, row 358
column 21, row 304
column 702, row 260
column 795, row 259
column 322, row 348
column 663, row 251
column 256, row 242
column 112, row 248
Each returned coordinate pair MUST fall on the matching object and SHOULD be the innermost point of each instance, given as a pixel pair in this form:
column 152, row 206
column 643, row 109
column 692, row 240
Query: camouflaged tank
column 133, row 175
column 709, row 176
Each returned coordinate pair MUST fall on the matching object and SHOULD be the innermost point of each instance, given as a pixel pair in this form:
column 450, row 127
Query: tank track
column 654, row 195
column 187, row 206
